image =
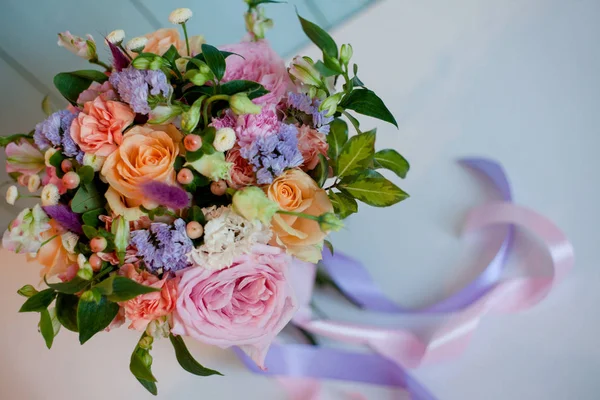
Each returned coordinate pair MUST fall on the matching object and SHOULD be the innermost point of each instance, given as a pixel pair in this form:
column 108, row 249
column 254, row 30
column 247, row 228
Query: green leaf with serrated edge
column 92, row 316
column 86, row 174
column 66, row 310
column 39, row 301
column 86, row 198
column 372, row 188
column 392, row 160
column 89, row 231
column 90, row 218
column 71, row 84
column 337, row 138
column 215, row 60
column 321, row 172
column 319, row 37
column 186, row 360
column 73, row 286
column 120, row 288
column 366, row 102
column 46, row 328
column 253, row 89
column 356, row 155
column 329, row 245
column 324, row 70
column 343, row 204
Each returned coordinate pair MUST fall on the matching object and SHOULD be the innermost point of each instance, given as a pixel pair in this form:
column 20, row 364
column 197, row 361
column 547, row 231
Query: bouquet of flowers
column 179, row 185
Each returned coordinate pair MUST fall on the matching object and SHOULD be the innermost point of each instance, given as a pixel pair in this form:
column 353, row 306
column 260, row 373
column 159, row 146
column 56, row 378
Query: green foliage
column 46, row 327
column 73, row 286
column 253, row 89
column 55, row 160
column 321, row 172
column 343, row 204
column 71, row 84
column 27, row 291
column 392, row 160
column 356, row 155
column 329, row 245
column 372, row 188
column 366, row 102
column 86, row 174
column 90, row 218
column 208, row 137
column 39, row 301
column 337, row 138
column 86, row 199
column 140, row 364
column 195, row 214
column 66, row 311
column 215, row 60
column 119, row 288
column 319, row 37
column 94, row 314
column 6, row 140
column 186, row 360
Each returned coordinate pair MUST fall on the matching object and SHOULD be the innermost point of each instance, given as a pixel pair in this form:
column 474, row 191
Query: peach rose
column 241, row 173
column 311, row 143
column 145, row 308
column 99, row 128
column 295, row 191
column 146, row 154
column 159, row 42
column 53, row 255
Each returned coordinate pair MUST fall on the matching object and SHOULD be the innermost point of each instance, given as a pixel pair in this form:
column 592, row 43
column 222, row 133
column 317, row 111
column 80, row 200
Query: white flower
column 33, row 184
column 224, row 139
column 116, row 36
column 137, row 44
column 94, row 161
column 83, row 47
column 48, row 154
column 24, row 234
column 69, row 241
column 81, row 260
column 227, row 236
column 180, row 16
column 12, row 194
column 50, row 195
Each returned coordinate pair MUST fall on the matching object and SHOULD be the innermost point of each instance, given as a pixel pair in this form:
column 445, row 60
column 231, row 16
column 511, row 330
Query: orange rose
column 298, row 192
column 159, row 42
column 146, row 154
column 99, row 128
column 53, row 255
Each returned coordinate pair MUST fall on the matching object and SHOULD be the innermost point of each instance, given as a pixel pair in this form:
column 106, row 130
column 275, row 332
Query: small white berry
column 224, row 139
column 12, row 194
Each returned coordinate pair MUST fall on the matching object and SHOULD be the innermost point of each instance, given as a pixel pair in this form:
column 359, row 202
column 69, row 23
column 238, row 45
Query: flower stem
column 298, row 214
column 207, row 104
column 125, row 51
column 107, row 67
column 187, row 42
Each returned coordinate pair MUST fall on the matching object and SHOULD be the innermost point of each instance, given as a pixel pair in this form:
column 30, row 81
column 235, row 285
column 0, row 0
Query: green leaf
column 66, row 310
column 343, row 204
column 94, row 316
column 325, row 70
column 255, row 3
column 120, row 288
column 46, row 328
column 321, row 172
column 357, row 82
column 27, row 291
column 200, row 57
column 55, row 160
column 186, row 360
column 372, row 188
column 89, row 232
column 253, row 89
column 73, row 286
column 47, row 107
column 137, row 366
column 337, row 138
column 195, row 214
column 356, row 155
column 171, row 55
column 150, row 386
column 86, row 198
column 366, row 102
column 215, row 60
column 86, row 174
column 6, row 140
column 319, row 37
column 39, row 301
column 329, row 245
column 392, row 160
column 71, row 84
column 90, row 218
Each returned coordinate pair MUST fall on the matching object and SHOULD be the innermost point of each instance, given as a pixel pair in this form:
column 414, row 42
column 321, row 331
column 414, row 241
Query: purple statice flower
column 273, row 154
column 166, row 195
column 66, row 218
column 163, row 247
column 302, row 102
column 55, row 131
column 135, row 85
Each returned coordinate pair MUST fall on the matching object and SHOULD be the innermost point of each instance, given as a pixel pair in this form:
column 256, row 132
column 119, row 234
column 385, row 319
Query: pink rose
column 244, row 305
column 99, row 128
column 260, row 64
column 105, row 90
column 311, row 143
column 241, row 173
column 150, row 306
column 23, row 157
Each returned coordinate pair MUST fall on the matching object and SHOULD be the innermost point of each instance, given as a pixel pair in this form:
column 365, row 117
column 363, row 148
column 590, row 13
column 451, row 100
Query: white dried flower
column 227, row 236
column 12, row 194
column 50, row 195
column 34, row 182
column 69, row 241
column 116, row 37
column 48, row 154
column 224, row 139
column 94, row 161
column 180, row 16
column 137, row 44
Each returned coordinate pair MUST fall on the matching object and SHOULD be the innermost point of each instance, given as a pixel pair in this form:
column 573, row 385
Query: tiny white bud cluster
column 137, row 44
column 116, row 37
column 180, row 16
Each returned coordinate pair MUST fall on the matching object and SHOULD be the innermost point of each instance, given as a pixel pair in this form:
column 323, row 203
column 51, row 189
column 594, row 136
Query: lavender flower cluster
column 270, row 155
column 303, row 102
column 163, row 246
column 135, row 85
column 55, row 131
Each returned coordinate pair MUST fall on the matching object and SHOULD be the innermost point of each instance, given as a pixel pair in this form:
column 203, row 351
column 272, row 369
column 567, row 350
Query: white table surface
column 517, row 81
